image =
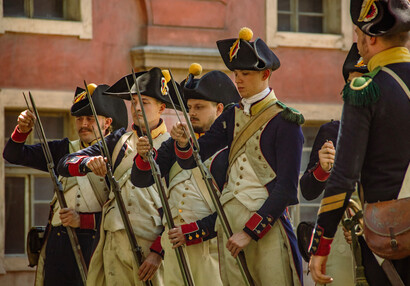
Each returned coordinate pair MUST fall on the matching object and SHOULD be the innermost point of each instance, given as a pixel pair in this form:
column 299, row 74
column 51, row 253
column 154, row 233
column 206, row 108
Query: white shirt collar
column 247, row 102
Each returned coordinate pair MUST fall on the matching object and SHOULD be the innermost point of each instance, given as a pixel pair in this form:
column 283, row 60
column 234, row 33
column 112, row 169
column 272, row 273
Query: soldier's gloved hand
column 176, row 237
column 143, row 147
column 179, row 135
column 327, row 156
column 237, row 242
column 70, row 217
column 97, row 165
column 149, row 266
column 26, row 121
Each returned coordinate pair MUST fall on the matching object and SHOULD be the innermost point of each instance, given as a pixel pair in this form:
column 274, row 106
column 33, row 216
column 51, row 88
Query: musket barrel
column 58, row 190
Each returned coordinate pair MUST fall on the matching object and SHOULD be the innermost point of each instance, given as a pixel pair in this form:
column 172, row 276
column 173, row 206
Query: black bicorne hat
column 241, row 54
column 213, row 86
column 107, row 106
column 381, row 17
column 353, row 62
column 151, row 83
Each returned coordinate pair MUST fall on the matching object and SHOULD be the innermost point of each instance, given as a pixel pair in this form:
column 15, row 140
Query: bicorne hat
column 242, row 54
column 151, row 83
column 381, row 17
column 107, row 106
column 353, row 63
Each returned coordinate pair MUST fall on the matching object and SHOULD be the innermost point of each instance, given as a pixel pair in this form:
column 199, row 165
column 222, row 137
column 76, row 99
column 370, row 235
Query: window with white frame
column 28, row 192
column 309, row 23
column 58, row 17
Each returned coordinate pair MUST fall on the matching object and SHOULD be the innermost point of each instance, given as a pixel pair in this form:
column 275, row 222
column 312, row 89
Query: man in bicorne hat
column 373, row 138
column 265, row 141
column 113, row 262
column 312, row 183
column 188, row 197
column 85, row 196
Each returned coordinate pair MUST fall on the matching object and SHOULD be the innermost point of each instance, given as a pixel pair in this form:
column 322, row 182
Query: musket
column 115, row 188
column 58, row 190
column 212, row 189
column 156, row 173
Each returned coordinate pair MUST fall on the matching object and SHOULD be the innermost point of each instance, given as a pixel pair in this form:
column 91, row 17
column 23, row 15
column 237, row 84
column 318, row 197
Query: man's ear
column 162, row 108
column 219, row 108
column 107, row 122
column 266, row 74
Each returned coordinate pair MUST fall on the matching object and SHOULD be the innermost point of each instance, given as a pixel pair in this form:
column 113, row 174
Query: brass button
column 182, row 220
column 182, row 203
column 241, row 168
column 133, row 187
column 78, row 205
column 236, row 192
column 237, row 183
column 244, row 159
column 271, row 175
column 128, row 212
column 93, row 236
column 58, row 233
column 257, row 137
column 129, row 204
column 240, row 177
column 237, row 124
column 256, row 148
column 259, row 157
column 78, row 196
column 186, row 188
column 101, row 179
column 265, row 166
column 180, row 210
column 184, row 195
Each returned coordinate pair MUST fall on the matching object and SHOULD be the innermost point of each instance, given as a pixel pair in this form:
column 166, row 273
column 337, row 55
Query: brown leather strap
column 391, row 273
column 270, row 111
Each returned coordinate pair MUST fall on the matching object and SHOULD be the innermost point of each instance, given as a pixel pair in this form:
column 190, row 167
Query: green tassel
column 362, row 91
column 361, row 97
column 290, row 114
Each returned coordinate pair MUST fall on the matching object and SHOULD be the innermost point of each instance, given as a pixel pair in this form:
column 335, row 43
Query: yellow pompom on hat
column 195, row 69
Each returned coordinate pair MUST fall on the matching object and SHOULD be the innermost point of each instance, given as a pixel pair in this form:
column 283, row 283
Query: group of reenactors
column 251, row 143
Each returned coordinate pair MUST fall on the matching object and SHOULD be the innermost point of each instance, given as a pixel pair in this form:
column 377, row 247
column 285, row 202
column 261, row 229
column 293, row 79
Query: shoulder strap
column 398, row 79
column 270, row 111
column 118, row 147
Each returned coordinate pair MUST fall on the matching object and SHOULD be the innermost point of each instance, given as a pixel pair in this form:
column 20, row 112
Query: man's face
column 362, row 45
column 84, row 126
column 202, row 114
column 249, row 82
column 153, row 109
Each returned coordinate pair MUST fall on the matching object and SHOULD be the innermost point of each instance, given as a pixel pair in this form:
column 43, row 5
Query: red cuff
column 182, row 154
column 319, row 245
column 87, row 221
column 156, row 245
column 320, row 174
column 192, row 233
column 18, row 136
column 324, row 246
column 259, row 225
column 74, row 166
column 141, row 164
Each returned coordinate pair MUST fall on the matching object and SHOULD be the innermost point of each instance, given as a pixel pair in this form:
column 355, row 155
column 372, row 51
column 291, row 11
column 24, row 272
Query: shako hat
column 242, row 54
column 152, row 83
column 381, row 17
column 353, row 62
column 107, row 106
column 214, row 86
